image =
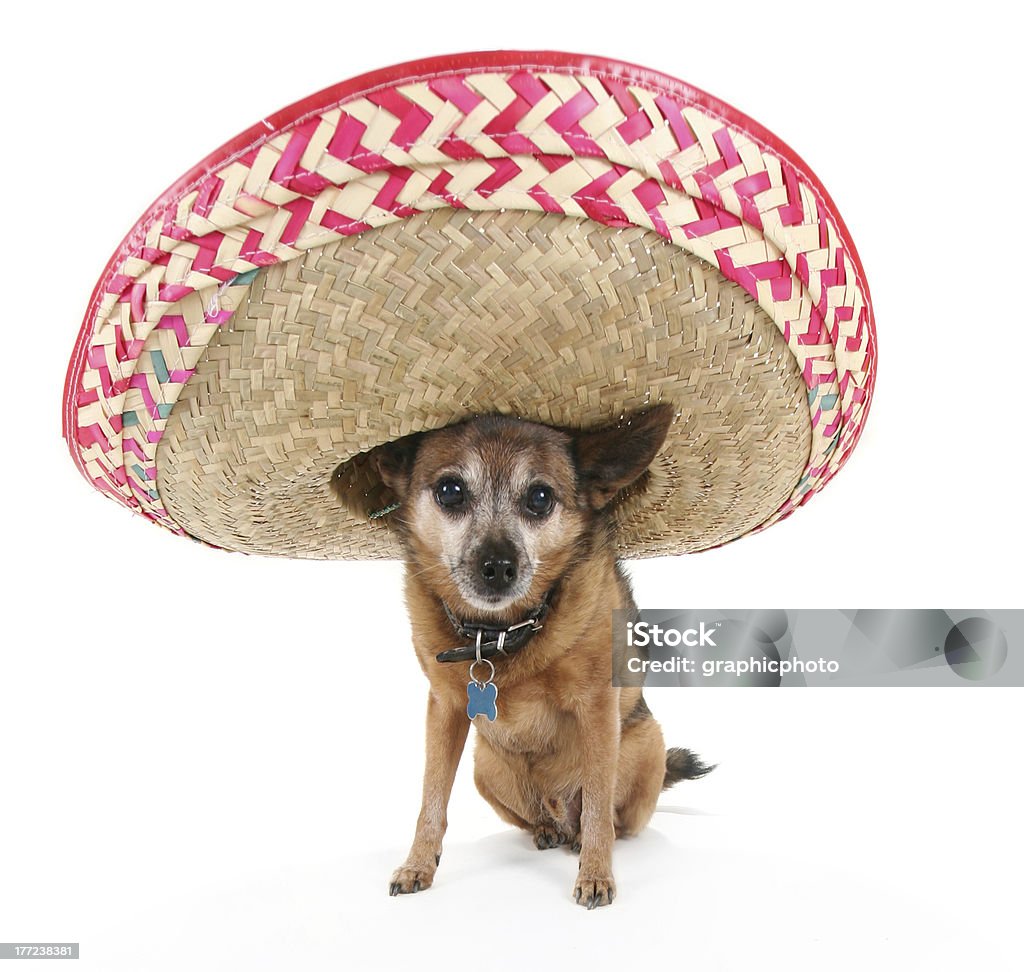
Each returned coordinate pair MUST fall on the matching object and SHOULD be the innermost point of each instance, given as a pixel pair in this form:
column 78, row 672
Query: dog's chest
column 527, row 723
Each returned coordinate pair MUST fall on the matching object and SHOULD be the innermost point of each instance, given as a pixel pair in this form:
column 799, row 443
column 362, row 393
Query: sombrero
column 561, row 238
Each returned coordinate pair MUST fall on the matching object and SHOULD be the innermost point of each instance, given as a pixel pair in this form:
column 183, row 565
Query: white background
column 209, row 761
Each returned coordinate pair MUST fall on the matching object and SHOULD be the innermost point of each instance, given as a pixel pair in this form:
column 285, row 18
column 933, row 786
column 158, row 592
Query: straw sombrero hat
column 562, row 238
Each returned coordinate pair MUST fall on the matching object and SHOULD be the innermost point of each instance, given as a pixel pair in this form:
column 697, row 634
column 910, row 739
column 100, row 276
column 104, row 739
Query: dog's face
column 493, row 511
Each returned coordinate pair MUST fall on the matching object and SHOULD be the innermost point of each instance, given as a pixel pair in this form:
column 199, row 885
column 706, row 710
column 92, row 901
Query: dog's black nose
column 498, row 567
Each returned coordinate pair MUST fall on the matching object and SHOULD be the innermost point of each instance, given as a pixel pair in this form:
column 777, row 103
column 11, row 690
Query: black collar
column 490, row 640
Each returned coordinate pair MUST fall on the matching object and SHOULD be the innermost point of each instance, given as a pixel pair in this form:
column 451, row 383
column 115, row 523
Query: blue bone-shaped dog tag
column 483, row 700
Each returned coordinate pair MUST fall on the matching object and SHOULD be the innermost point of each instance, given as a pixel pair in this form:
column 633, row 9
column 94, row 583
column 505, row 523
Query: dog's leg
column 562, row 825
column 599, row 740
column 447, row 728
column 500, row 786
column 640, row 776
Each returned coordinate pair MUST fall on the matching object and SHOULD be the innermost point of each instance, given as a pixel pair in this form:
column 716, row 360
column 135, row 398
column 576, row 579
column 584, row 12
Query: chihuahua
column 510, row 556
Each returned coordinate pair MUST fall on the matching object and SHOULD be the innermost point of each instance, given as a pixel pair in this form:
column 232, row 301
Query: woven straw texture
column 446, row 315
column 579, row 141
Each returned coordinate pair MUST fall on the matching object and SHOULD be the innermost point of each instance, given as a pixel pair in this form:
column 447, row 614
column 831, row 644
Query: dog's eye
column 450, row 493
column 539, row 500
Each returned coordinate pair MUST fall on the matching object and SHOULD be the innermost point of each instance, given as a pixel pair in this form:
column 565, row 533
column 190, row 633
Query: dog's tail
column 681, row 764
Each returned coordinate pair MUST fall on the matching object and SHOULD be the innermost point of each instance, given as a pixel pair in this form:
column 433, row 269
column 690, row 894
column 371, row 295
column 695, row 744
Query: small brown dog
column 510, row 550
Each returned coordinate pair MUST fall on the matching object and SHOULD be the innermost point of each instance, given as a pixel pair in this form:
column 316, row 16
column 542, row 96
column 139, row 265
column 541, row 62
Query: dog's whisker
column 425, row 570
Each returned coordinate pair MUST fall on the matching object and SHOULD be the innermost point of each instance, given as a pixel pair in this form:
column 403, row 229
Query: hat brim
column 462, row 236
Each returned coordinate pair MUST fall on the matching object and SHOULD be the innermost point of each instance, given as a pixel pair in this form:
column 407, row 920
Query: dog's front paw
column 410, row 878
column 593, row 890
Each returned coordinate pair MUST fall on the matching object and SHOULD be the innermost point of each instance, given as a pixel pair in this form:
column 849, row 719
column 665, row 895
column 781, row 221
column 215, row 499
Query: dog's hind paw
column 545, row 836
column 592, row 892
column 409, row 879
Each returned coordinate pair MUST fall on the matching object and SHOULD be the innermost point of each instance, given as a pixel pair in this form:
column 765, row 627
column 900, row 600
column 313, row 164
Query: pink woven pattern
column 599, row 144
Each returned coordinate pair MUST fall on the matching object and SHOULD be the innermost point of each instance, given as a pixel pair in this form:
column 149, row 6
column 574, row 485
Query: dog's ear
column 394, row 462
column 609, row 459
